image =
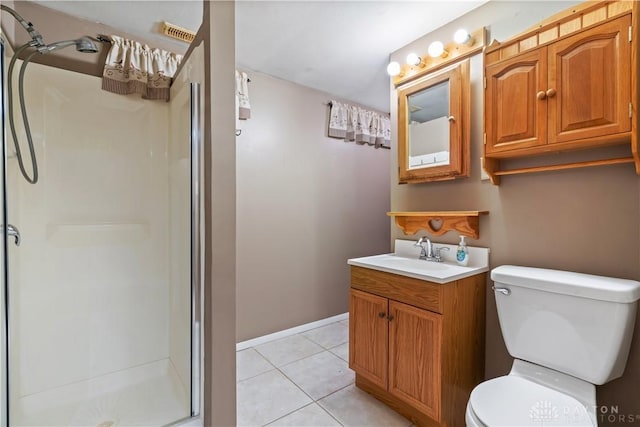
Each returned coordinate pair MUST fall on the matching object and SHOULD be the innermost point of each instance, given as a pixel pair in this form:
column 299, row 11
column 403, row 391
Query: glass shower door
column 100, row 296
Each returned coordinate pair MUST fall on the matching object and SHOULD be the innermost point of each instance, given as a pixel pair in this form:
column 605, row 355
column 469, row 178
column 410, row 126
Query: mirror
column 433, row 126
column 428, row 134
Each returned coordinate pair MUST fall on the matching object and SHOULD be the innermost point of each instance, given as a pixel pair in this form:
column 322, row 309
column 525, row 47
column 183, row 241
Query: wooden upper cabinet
column 368, row 335
column 514, row 116
column 573, row 93
column 568, row 83
column 415, row 337
column 589, row 88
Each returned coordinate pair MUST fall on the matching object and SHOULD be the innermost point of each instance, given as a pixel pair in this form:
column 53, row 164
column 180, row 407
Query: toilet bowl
column 567, row 332
column 532, row 395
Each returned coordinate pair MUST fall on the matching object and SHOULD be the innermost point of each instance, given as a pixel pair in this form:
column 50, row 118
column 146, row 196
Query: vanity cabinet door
column 590, row 83
column 515, row 104
column 415, row 338
column 368, row 336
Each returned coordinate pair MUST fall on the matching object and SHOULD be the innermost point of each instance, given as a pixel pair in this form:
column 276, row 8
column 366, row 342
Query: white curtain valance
column 358, row 124
column 243, row 107
column 132, row 67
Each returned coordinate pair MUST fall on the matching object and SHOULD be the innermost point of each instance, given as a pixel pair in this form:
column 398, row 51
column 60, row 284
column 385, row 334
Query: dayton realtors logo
column 544, row 412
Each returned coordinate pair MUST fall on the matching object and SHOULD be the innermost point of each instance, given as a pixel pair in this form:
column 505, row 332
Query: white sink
column 405, row 262
column 396, row 261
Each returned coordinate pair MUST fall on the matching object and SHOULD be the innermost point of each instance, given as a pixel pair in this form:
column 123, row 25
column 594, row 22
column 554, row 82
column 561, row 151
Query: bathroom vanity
column 416, row 332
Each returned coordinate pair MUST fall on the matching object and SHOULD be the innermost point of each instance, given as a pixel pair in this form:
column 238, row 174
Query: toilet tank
column 575, row 323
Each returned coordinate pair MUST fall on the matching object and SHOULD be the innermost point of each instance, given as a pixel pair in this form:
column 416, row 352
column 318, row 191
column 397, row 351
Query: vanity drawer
column 419, row 293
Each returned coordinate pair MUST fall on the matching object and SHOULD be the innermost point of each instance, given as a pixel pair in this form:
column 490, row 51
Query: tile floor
column 305, row 380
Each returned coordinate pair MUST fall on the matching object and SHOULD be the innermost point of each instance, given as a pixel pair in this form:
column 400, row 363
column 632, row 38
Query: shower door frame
column 4, row 357
column 196, row 250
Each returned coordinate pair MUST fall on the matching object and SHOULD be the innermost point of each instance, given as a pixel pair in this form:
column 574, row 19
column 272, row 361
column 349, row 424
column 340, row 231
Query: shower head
column 83, row 44
column 86, row 45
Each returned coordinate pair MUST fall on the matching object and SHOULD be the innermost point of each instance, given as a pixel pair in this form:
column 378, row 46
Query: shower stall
column 100, row 259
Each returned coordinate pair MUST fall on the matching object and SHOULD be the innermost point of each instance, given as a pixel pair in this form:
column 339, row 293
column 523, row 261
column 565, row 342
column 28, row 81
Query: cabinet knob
column 551, row 93
column 541, row 95
column 382, row 314
column 389, row 317
column 451, row 119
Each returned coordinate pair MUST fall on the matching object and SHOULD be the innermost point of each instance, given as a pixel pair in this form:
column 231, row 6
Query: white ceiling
column 340, row 47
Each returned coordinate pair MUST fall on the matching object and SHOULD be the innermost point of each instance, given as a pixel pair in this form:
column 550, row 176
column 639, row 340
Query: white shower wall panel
column 89, row 290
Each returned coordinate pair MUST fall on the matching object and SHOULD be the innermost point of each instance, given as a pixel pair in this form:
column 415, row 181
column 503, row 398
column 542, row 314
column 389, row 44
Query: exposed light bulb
column 413, row 59
column 436, row 49
column 393, row 69
column 462, row 36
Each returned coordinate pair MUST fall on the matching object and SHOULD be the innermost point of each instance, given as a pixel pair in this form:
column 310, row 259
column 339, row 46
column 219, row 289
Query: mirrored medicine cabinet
column 433, row 126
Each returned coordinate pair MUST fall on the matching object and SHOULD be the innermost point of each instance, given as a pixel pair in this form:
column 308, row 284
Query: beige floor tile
column 250, row 363
column 353, row 407
column 267, row 397
column 309, row 416
column 320, row 374
column 287, row 350
column 330, row 335
column 342, row 351
column 345, row 322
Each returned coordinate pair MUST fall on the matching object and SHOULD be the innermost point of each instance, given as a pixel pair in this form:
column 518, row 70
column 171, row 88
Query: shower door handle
column 12, row 230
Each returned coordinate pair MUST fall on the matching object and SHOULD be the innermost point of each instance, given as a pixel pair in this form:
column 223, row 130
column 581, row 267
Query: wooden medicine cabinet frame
column 459, row 142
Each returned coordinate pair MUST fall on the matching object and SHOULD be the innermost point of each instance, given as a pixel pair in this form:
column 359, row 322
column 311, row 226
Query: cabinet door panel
column 368, row 336
column 415, row 351
column 514, row 116
column 590, row 73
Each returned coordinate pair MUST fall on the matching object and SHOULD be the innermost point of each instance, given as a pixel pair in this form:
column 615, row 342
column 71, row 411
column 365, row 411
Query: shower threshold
column 146, row 395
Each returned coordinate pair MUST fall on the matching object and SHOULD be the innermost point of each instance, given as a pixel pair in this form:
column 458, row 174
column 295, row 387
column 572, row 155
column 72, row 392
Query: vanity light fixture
column 414, row 59
column 438, row 55
column 393, row 69
column 436, row 49
column 462, row 36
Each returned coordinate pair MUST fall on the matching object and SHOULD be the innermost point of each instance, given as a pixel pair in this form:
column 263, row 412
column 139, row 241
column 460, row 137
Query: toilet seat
column 516, row 401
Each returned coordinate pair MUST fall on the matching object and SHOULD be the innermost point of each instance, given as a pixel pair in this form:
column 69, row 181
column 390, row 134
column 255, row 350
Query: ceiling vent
column 179, row 33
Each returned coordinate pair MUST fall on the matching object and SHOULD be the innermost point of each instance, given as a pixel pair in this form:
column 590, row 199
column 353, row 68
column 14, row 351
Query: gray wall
column 218, row 32
column 583, row 220
column 305, row 204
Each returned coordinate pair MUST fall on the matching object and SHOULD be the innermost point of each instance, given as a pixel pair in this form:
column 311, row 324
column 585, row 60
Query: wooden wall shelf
column 438, row 223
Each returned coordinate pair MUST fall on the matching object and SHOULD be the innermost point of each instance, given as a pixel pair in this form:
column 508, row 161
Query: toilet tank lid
column 568, row 283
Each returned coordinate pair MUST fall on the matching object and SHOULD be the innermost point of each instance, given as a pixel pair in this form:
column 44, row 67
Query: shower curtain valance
column 353, row 123
column 132, row 67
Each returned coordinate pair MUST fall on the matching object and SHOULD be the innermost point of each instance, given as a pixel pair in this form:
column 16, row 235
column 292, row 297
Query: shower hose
column 34, row 164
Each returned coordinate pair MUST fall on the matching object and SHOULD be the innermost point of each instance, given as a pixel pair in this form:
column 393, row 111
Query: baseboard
column 289, row 332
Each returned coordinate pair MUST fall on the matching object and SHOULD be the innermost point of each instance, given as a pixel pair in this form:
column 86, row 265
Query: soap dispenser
column 462, row 254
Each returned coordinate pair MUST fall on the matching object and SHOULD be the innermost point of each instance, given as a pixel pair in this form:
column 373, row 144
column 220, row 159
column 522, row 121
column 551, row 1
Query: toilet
column 567, row 332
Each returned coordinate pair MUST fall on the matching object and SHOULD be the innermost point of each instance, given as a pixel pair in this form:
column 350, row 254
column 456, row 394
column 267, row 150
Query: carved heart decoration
column 435, row 224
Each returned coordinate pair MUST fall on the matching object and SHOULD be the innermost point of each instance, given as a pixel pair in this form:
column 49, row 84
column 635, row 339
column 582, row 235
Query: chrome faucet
column 426, row 252
column 437, row 256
